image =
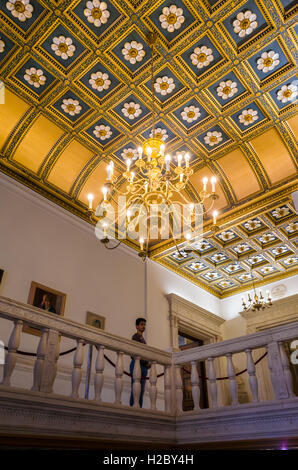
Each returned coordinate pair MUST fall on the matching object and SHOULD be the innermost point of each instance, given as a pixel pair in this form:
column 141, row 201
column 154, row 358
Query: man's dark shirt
column 141, row 339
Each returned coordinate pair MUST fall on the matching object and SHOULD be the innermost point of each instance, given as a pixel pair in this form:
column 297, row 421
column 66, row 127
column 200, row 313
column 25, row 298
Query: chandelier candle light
column 156, row 181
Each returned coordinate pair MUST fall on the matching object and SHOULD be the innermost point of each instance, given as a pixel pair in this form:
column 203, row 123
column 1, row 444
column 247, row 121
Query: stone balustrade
column 40, row 411
column 53, row 327
column 272, row 340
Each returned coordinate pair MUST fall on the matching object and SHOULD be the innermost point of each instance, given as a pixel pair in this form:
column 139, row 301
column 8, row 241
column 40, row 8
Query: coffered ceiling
column 77, row 94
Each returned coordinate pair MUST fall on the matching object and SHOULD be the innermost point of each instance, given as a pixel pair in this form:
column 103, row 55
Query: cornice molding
column 182, row 306
column 193, row 320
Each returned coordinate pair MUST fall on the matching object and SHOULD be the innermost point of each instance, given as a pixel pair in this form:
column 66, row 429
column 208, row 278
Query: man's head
column 47, row 302
column 141, row 325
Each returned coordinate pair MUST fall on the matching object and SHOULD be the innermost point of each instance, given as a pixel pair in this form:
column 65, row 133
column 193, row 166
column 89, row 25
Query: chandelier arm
column 209, row 208
column 134, row 198
column 113, row 247
column 121, row 193
column 172, row 187
column 112, row 197
column 138, row 182
column 144, row 172
column 177, row 248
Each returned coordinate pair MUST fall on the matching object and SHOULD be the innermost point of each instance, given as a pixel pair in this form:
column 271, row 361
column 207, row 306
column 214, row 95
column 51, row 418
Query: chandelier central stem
column 152, row 41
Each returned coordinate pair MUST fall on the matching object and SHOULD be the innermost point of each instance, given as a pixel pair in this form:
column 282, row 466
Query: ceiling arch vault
column 68, row 70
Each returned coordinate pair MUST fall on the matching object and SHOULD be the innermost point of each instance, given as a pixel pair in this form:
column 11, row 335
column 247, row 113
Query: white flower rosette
column 20, row 9
column 227, row 89
column 35, row 77
column 159, row 134
column 2, row 46
column 102, row 132
column 287, row 93
column 202, row 56
column 63, row 47
column 131, row 110
column 213, row 138
column 100, row 81
column 268, row 61
column 171, row 18
column 71, row 106
column 248, row 117
column 164, row 85
column 190, row 113
column 96, row 12
column 245, row 23
column 133, row 52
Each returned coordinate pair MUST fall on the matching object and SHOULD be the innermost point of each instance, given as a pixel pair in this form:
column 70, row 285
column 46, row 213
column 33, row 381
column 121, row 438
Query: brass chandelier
column 156, row 181
column 256, row 301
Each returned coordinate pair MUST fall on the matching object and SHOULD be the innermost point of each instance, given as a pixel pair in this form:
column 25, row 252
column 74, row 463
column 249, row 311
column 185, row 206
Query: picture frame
column 97, row 321
column 37, row 294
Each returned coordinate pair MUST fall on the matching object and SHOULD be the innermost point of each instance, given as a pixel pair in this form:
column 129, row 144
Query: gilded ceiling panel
column 240, row 174
column 275, row 158
column 37, row 143
column 67, row 167
column 10, row 115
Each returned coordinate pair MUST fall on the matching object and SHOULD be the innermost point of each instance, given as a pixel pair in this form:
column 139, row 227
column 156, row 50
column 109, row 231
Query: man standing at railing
column 138, row 336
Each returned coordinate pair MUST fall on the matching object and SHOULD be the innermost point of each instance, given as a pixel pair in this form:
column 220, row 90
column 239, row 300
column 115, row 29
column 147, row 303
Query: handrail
column 281, row 333
column 34, row 316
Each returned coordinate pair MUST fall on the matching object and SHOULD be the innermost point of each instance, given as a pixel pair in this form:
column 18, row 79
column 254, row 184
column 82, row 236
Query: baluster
column 212, row 382
column 11, row 356
column 195, row 385
column 77, row 371
column 55, row 363
column 49, row 369
column 99, row 377
column 39, row 362
column 168, row 391
column 153, row 389
column 253, row 382
column 232, row 380
column 179, row 390
column 118, row 379
column 276, row 371
column 136, row 387
column 286, row 369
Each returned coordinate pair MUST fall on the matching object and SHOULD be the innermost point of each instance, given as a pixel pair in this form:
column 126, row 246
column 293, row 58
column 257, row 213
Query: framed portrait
column 47, row 299
column 97, row 321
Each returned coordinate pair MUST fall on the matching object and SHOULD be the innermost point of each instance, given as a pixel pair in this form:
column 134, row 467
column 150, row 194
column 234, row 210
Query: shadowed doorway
column 187, row 342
